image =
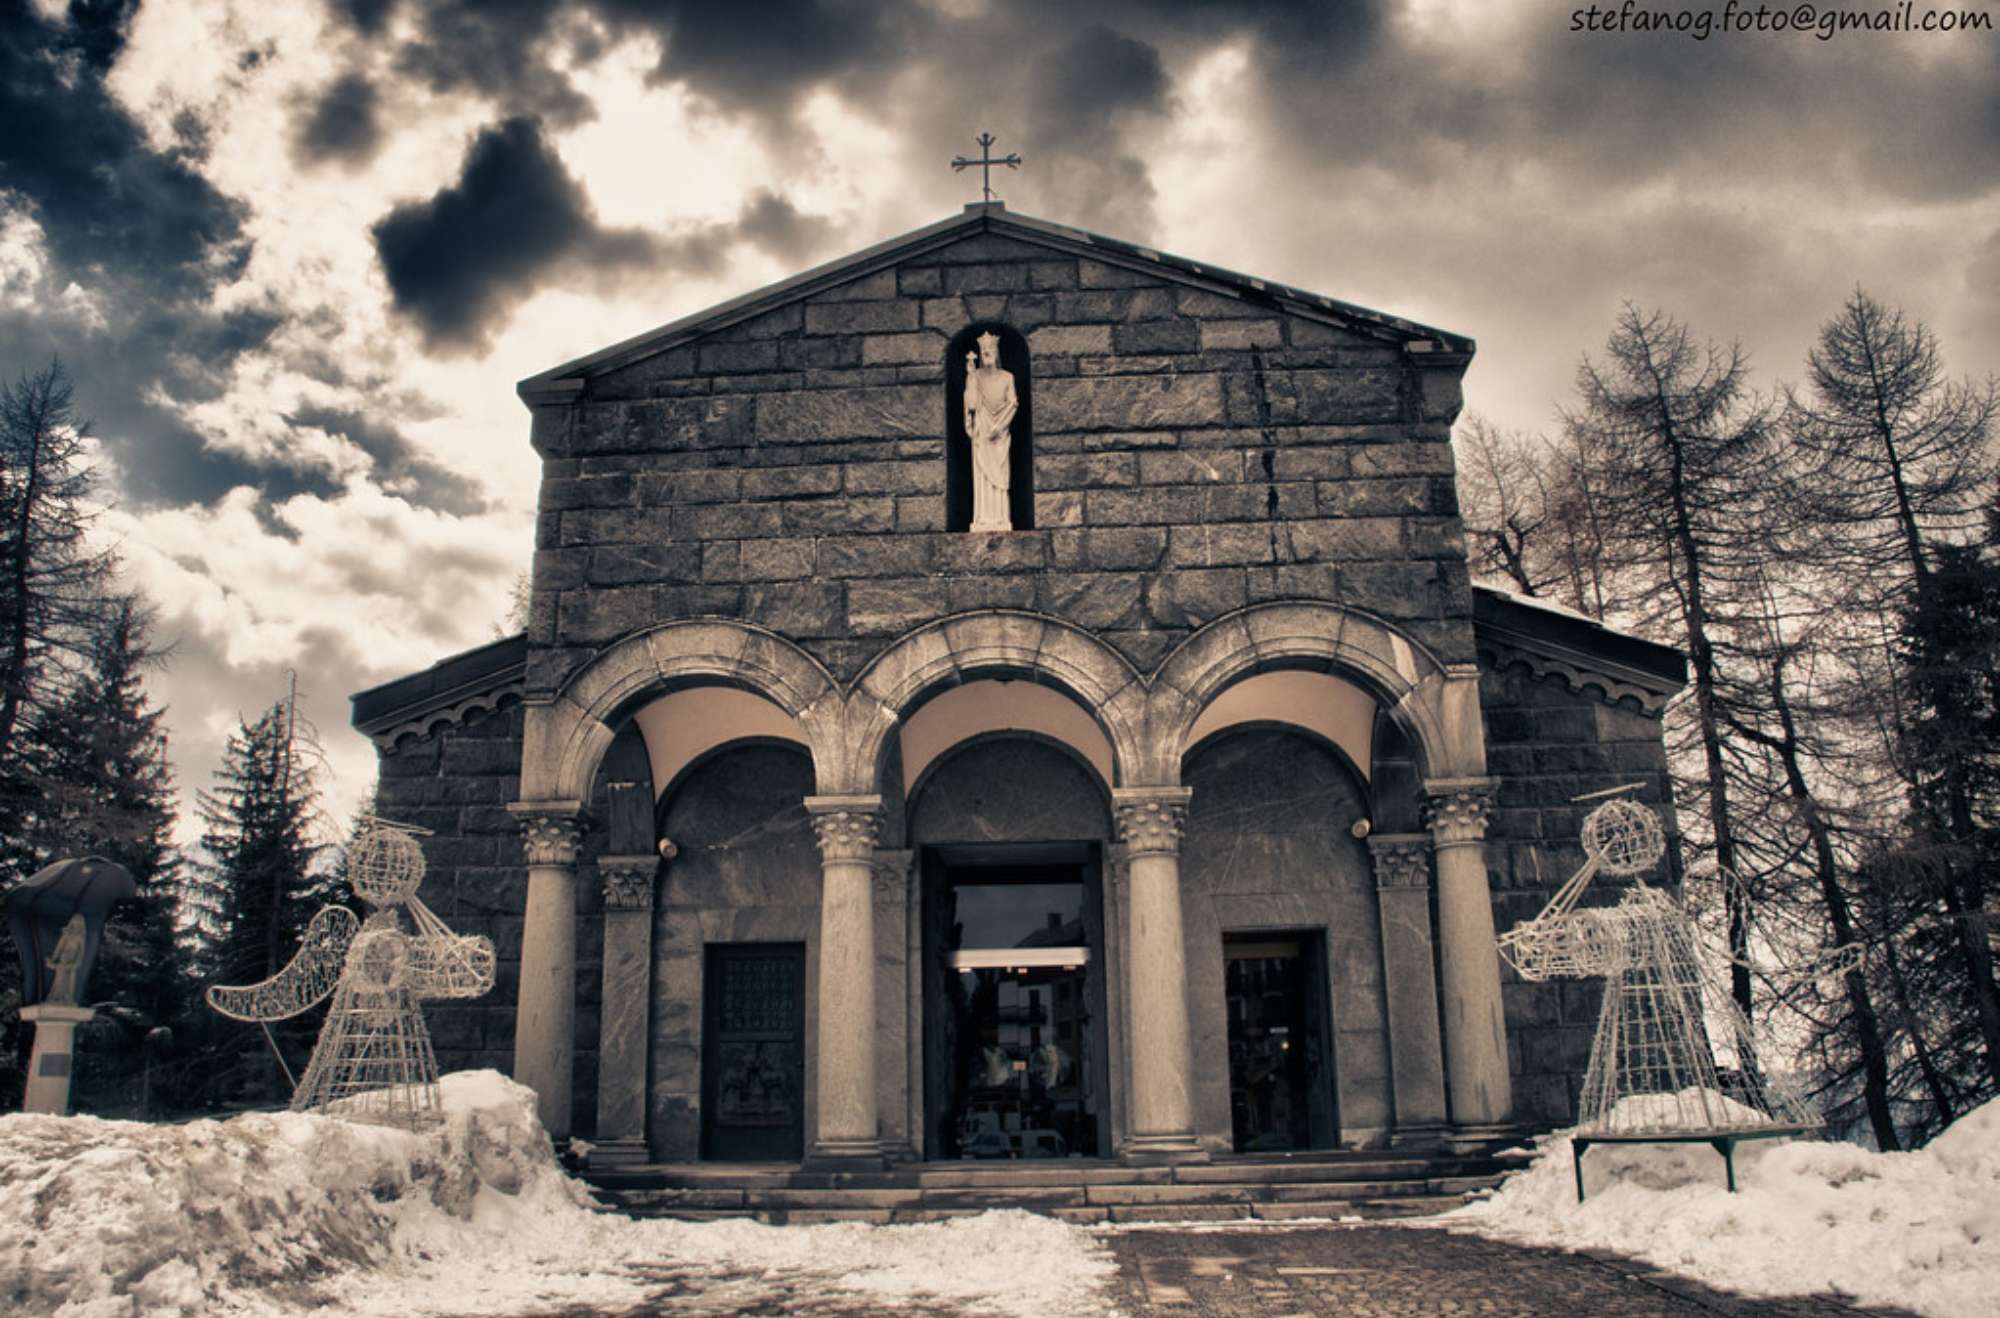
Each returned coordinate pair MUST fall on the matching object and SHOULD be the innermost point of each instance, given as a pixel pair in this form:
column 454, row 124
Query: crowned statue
column 990, row 404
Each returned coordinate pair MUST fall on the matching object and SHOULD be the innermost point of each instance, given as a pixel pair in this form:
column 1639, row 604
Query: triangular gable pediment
column 983, row 233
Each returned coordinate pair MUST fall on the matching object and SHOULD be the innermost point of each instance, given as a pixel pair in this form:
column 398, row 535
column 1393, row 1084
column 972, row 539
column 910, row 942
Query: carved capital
column 1458, row 809
column 1150, row 819
column 628, row 881
column 550, row 831
column 1402, row 860
column 846, row 826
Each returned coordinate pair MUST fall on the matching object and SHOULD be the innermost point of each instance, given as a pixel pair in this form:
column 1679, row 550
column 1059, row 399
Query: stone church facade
column 1176, row 820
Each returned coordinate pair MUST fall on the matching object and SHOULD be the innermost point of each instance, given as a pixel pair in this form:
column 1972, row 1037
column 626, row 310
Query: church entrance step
column 1071, row 1190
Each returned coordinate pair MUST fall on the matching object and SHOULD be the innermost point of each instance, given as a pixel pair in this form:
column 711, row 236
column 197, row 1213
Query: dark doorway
column 1280, row 1054
column 1015, row 1063
column 753, row 1053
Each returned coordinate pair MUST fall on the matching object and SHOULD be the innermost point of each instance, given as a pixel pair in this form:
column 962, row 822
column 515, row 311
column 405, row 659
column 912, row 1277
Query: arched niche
column 958, row 453
column 961, row 713
column 683, row 726
column 1335, row 709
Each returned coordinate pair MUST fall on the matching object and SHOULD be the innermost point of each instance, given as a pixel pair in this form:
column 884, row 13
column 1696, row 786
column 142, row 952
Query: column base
column 1467, row 1138
column 1428, row 1136
column 826, row 1156
column 895, row 1151
column 619, row 1153
column 1161, row 1150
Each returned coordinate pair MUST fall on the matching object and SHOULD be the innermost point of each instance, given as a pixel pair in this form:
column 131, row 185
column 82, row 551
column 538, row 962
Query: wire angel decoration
column 1654, row 1068
column 374, row 1059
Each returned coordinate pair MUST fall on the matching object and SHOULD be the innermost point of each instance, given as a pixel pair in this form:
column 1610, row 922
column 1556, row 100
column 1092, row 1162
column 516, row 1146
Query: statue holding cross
column 987, row 160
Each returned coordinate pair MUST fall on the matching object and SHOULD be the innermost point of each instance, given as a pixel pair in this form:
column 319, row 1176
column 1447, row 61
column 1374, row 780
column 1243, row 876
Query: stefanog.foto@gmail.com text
column 1823, row 23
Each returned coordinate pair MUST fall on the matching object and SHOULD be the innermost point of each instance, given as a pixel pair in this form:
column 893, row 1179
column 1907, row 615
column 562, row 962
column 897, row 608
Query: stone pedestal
column 1475, row 1031
column 545, row 1015
column 1416, row 1061
column 54, row 1059
column 846, row 1134
column 1162, row 1104
column 625, row 1016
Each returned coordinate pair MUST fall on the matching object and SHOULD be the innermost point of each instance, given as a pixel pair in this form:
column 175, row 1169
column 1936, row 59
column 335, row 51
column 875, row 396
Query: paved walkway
column 1297, row 1272
column 1389, row 1272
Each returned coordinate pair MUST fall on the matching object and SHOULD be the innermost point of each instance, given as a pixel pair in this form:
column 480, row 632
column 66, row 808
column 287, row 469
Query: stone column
column 894, row 1018
column 626, row 1016
column 545, row 1012
column 53, row 1061
column 847, row 1133
column 1475, row 1031
column 1162, row 1108
column 1416, row 1065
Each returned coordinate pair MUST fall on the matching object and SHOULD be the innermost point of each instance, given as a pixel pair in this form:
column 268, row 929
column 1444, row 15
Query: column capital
column 846, row 826
column 1458, row 808
column 1150, row 819
column 550, row 830
column 628, row 881
column 1402, row 861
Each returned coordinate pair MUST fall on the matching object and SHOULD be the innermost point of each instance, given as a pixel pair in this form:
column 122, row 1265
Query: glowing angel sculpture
column 374, row 1057
column 1655, row 1067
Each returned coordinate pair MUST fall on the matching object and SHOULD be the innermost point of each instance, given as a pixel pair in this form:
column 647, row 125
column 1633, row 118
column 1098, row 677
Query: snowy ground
column 1918, row 1231
column 282, row 1214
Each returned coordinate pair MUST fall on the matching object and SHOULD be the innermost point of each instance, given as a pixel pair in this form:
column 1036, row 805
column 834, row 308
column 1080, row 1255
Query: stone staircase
column 1280, row 1188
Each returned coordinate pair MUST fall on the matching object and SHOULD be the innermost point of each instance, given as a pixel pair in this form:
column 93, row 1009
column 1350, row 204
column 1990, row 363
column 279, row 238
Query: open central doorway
column 1015, row 1062
column 1281, row 1096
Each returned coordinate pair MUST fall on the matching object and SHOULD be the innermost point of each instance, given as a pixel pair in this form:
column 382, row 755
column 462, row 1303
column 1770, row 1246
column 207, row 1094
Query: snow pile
column 286, row 1213
column 1919, row 1231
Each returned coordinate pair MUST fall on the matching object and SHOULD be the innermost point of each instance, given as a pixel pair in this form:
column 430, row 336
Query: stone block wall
column 1548, row 744
column 457, row 781
column 1193, row 452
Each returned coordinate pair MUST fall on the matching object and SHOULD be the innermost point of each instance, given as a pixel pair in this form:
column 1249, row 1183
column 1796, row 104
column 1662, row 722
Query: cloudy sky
column 296, row 255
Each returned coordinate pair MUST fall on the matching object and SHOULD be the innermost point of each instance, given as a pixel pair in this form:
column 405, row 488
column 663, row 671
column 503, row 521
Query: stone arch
column 985, row 644
column 1437, row 704
column 566, row 738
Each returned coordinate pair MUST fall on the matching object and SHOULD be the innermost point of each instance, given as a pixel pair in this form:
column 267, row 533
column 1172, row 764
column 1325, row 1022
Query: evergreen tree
column 245, row 905
column 105, row 789
column 1894, row 461
column 1677, row 455
column 52, row 580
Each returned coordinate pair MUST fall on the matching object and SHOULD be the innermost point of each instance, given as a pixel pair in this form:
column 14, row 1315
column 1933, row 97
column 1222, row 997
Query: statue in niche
column 64, row 961
column 990, row 404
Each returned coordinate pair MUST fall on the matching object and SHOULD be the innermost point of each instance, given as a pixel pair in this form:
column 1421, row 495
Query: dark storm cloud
column 365, row 16
column 102, row 197
column 137, row 231
column 343, row 124
column 759, row 58
column 459, row 262
column 501, row 48
column 772, row 224
column 399, row 468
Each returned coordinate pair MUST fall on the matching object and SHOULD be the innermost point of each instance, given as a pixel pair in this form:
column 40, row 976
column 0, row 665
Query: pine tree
column 105, row 789
column 245, row 905
column 1677, row 454
column 52, row 580
column 1895, row 461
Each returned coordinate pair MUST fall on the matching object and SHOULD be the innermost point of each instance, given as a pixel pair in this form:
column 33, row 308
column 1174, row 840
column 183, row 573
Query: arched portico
column 1145, row 725
column 1437, row 707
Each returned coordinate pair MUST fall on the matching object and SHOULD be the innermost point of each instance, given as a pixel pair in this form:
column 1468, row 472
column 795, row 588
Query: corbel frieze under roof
column 1589, row 658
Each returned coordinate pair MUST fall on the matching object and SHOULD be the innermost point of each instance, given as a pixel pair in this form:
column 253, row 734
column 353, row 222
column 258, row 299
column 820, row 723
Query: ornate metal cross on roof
column 986, row 162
